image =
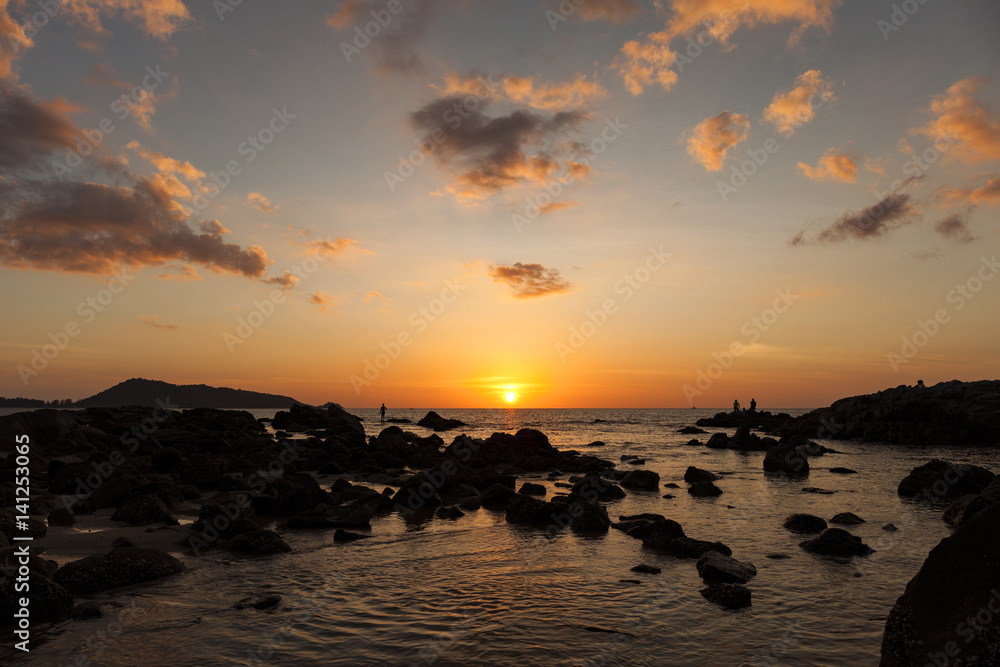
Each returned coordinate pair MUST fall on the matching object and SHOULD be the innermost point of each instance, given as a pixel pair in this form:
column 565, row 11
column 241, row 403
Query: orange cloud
column 261, row 203
column 159, row 18
column 556, row 206
column 644, row 64
column 529, row 280
column 167, row 164
column 152, row 321
column 323, row 300
column 553, row 96
column 186, row 273
column 987, row 194
column 614, row 11
column 712, row 138
column 348, row 12
column 833, row 166
column 338, row 246
column 970, row 125
column 376, row 296
column 13, row 41
column 790, row 111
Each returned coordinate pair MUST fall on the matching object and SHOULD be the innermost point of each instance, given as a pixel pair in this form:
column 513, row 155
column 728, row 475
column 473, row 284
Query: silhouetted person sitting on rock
column 736, row 405
column 920, row 383
column 381, row 412
column 753, row 405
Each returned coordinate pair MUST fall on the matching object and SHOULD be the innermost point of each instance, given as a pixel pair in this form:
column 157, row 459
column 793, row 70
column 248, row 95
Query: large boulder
column 716, row 567
column 497, row 496
column 687, row 547
column 334, row 420
column 588, row 517
column 805, row 523
column 433, row 420
column 595, row 487
column 836, row 542
column 643, row 480
column 693, row 474
column 122, row 567
column 530, row 511
column 259, row 542
column 143, row 510
column 786, row 459
column 948, row 612
column 937, row 479
column 226, row 515
column 963, row 509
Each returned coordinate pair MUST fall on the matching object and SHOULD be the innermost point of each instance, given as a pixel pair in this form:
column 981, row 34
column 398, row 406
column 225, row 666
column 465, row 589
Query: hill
column 138, row 391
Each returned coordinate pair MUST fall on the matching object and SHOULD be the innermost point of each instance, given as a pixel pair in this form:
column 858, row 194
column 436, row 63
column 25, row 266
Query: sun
column 510, row 397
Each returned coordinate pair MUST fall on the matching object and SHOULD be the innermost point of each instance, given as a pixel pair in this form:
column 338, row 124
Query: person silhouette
column 753, row 405
column 381, row 412
column 736, row 405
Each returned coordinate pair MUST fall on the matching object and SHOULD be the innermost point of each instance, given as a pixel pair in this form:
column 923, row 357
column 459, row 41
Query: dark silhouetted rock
column 530, row 489
column 646, row 569
column 342, row 535
column 87, row 610
column 686, row 547
column 714, row 566
column 49, row 600
column 643, row 480
column 259, row 602
column 843, row 471
column 836, row 542
column 847, row 519
column 937, row 479
column 593, row 487
column 121, row 567
column 952, row 596
column 433, row 420
column 728, row 596
column 449, row 513
column 143, row 510
column 259, row 542
column 527, row 510
column 588, row 516
column 963, row 509
column 816, row 489
column 805, row 523
column 704, row 490
column 786, row 459
column 692, row 475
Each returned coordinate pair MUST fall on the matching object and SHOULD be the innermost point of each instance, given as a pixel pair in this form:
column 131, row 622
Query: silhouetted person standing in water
column 753, row 405
column 381, row 412
column 736, row 405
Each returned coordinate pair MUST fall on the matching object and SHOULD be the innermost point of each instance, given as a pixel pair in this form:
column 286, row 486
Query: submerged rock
column 646, row 569
column 704, row 490
column 259, row 602
column 531, row 489
column 728, row 596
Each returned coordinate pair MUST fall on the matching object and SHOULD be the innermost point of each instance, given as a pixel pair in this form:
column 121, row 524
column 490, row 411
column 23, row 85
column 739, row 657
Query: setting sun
column 510, row 397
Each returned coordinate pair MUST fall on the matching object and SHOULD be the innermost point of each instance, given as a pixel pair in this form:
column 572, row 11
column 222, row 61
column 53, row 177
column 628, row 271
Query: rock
column 433, row 420
column 714, row 566
column 449, row 513
column 8, row 524
column 786, row 459
column 598, row 488
column 958, row 582
column 691, row 430
column 589, row 517
column 61, row 517
column 227, row 516
column 686, row 547
column 646, row 569
column 121, row 542
column 342, row 535
column 49, row 600
column 655, row 534
column 816, row 489
column 805, row 523
column 847, row 519
column 704, row 490
column 992, row 490
column 87, row 610
column 671, row 485
column 777, row 556
column 497, row 496
column 629, row 581
column 527, row 510
column 121, row 567
column 963, row 509
column 259, row 542
column 939, row 479
column 259, row 602
column 636, row 462
column 843, row 471
column 836, row 542
column 667, row 496
column 643, row 480
column 142, row 510
column 692, row 475
column 728, row 596
column 530, row 489
column 718, row 441
column 891, row 527
column 166, row 460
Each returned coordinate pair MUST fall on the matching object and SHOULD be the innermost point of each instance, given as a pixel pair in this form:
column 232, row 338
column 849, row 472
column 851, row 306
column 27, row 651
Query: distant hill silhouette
column 138, row 391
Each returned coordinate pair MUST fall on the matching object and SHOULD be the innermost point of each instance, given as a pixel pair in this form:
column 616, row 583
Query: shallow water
column 478, row 591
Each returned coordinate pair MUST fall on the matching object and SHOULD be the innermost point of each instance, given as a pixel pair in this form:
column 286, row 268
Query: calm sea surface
column 477, row 591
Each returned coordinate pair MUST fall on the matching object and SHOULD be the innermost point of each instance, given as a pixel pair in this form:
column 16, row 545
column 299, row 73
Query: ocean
column 478, row 591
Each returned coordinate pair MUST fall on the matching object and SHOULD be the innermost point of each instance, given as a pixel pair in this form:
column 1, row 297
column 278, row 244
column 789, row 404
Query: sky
column 462, row 203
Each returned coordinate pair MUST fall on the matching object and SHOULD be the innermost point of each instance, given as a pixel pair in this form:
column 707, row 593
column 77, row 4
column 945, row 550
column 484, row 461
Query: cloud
column 712, row 138
column 553, row 96
column 650, row 61
column 833, row 166
column 166, row 164
column 986, row 194
column 94, row 227
column 529, row 280
column 13, row 41
column 556, row 206
column 875, row 221
column 613, row 11
column 285, row 281
column 961, row 119
column 337, row 246
column 487, row 154
column 158, row 18
column 376, row 296
column 394, row 46
column 323, row 300
column 790, row 111
column 185, row 274
column 261, row 203
column 152, row 321
column 103, row 74
column 956, row 228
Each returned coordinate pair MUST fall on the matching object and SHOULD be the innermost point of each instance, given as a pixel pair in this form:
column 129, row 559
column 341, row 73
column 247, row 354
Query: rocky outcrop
column 436, row 422
column 962, row 510
column 949, row 610
column 836, row 542
column 786, row 459
column 937, row 480
column 530, row 489
column 121, row 567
